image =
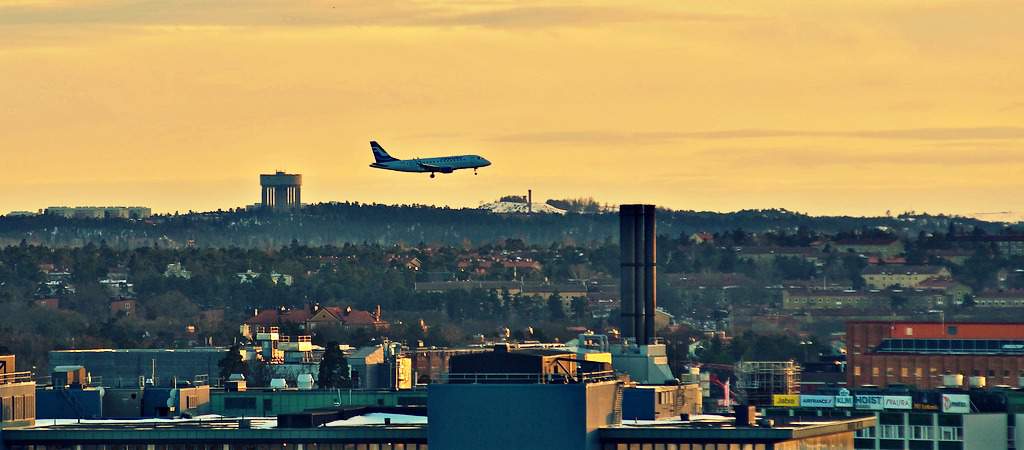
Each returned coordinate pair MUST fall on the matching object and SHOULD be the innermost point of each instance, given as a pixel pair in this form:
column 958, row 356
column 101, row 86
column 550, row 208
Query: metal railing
column 15, row 377
column 527, row 378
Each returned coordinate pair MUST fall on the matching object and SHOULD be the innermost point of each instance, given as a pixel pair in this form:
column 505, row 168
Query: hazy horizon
column 838, row 108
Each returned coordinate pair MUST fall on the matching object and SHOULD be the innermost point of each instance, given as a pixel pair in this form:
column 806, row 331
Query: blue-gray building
column 125, row 367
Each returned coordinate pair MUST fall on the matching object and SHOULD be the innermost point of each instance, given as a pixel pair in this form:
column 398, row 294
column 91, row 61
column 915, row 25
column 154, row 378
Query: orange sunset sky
column 828, row 107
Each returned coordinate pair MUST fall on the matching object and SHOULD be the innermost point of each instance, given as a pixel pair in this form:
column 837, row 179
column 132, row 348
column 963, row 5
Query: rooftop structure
column 280, row 190
column 758, row 381
column 637, row 243
column 640, row 354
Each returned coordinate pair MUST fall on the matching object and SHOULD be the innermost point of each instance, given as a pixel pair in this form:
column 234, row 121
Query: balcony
column 16, row 377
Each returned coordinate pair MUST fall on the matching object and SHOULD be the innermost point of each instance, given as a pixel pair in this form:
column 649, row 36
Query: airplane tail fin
column 379, row 154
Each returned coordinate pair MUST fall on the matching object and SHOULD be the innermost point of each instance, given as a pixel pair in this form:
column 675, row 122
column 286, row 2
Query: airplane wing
column 434, row 168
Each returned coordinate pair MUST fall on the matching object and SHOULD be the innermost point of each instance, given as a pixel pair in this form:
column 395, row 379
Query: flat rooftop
column 399, row 428
column 144, row 350
column 713, row 428
column 217, row 429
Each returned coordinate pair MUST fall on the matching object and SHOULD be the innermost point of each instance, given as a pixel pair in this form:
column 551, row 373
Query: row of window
column 683, row 446
column 983, row 346
column 913, row 432
column 934, row 372
column 17, row 408
column 202, row 446
column 831, row 441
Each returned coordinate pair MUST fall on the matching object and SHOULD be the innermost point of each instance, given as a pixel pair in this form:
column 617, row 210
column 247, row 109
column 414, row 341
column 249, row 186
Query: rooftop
column 213, row 428
column 397, row 428
column 710, row 427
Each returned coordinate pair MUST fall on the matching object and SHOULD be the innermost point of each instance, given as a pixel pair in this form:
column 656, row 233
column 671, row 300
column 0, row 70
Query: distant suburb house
column 881, row 277
column 885, row 247
column 312, row 317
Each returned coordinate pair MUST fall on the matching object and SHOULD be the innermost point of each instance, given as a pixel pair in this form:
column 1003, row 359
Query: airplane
column 444, row 164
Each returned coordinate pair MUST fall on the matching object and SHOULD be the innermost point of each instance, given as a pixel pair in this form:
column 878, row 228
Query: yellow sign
column 787, row 400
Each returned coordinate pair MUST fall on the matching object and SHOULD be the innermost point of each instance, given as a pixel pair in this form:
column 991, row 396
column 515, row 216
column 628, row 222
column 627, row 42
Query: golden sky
column 828, row 107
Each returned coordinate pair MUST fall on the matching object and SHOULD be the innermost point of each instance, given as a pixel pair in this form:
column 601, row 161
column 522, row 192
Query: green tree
column 334, row 371
column 579, row 308
column 555, row 308
column 232, row 363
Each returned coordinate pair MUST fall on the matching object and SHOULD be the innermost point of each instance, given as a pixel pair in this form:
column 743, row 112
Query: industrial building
column 280, row 190
column 920, row 353
column 126, row 367
column 575, row 415
column 537, row 398
column 946, row 419
column 71, row 395
column 271, row 402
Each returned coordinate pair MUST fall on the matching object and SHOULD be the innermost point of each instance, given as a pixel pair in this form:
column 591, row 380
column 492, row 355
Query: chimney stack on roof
column 637, row 244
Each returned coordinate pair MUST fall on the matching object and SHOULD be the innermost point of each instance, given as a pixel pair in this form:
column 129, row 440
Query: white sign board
column 869, row 402
column 898, row 402
column 844, row 401
column 817, row 401
column 956, row 403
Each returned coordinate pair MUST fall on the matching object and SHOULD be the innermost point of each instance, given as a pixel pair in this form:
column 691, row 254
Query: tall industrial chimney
column 650, row 273
column 637, row 240
column 529, row 201
column 627, row 264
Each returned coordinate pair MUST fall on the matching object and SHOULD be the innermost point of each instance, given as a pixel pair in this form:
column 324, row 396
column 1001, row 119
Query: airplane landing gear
column 431, row 174
column 474, row 171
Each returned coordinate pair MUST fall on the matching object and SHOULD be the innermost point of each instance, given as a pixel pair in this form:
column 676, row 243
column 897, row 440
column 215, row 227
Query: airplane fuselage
column 445, row 164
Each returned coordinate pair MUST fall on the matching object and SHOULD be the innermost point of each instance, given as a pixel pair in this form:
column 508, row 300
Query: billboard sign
column 956, row 403
column 898, row 402
column 817, row 401
column 844, row 401
column 869, row 402
column 786, row 400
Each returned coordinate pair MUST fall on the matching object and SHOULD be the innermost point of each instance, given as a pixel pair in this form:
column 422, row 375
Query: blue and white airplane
column 443, row 164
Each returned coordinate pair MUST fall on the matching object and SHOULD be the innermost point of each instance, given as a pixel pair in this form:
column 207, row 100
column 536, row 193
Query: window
column 856, row 371
column 891, row 431
column 951, row 433
column 918, row 372
column 866, row 432
column 904, row 372
column 874, row 371
column 922, row 433
column 664, row 398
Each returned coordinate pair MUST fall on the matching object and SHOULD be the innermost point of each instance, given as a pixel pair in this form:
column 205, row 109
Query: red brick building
column 919, row 353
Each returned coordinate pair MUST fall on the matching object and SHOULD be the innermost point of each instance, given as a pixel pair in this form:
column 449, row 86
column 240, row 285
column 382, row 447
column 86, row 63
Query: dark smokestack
column 529, row 201
column 650, row 273
column 637, row 241
column 638, row 273
column 627, row 264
